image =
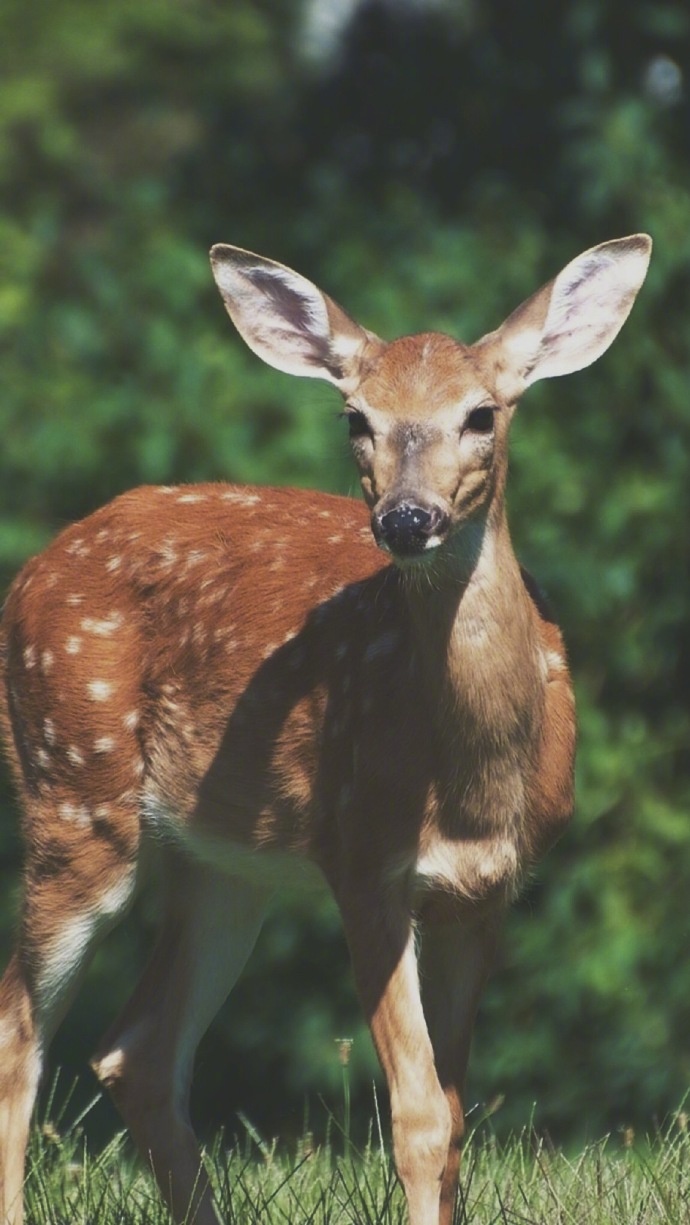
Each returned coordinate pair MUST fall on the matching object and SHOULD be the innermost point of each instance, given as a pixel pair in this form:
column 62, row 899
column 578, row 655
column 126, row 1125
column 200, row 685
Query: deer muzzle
column 408, row 529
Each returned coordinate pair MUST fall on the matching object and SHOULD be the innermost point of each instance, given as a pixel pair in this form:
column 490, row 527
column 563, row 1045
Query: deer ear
column 571, row 321
column 285, row 319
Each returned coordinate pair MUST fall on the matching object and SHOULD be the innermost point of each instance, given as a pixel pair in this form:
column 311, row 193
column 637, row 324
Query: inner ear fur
column 286, row 320
column 568, row 323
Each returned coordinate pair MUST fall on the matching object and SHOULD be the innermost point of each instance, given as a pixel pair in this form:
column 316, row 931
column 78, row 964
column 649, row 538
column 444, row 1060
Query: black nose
column 406, row 528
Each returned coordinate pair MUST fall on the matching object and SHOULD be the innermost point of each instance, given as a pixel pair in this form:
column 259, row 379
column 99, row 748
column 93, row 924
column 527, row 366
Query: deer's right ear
column 286, row 320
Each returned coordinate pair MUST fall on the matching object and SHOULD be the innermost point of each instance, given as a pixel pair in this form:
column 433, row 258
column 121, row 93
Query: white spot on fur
column 78, row 814
column 131, row 720
column 42, row 759
column 103, row 534
column 76, row 546
column 113, row 563
column 29, row 656
column 192, row 497
column 47, row 661
column 104, row 744
column 103, row 627
column 75, row 599
column 269, row 649
column 554, row 662
column 49, row 731
column 239, row 495
column 100, row 691
column 73, row 645
column 102, row 812
column 75, row 756
column 337, row 539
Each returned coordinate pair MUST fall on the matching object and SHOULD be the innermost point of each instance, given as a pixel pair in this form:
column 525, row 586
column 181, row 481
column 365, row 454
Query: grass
column 618, row 1181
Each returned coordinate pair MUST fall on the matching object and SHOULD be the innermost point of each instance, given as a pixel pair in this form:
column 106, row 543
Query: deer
column 256, row 688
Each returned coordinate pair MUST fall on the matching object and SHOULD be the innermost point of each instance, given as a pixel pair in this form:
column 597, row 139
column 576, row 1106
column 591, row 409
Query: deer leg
column 380, row 935
column 454, row 962
column 146, row 1058
column 20, row 1071
column 72, row 899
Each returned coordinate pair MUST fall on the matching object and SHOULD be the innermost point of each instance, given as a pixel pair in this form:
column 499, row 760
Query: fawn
column 262, row 686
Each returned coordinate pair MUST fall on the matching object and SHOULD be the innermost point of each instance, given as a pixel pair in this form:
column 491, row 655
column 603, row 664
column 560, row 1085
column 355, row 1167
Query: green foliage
column 445, row 162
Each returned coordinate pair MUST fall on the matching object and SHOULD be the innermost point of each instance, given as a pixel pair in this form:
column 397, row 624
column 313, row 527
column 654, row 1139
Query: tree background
column 430, row 164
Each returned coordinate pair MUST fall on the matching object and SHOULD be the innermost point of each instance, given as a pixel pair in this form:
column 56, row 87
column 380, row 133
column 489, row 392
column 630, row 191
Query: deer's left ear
column 286, row 320
column 571, row 321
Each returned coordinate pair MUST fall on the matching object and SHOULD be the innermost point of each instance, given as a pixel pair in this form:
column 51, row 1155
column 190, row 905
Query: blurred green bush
column 430, row 169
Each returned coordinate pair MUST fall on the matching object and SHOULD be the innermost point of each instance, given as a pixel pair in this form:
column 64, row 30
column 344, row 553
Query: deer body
column 241, row 683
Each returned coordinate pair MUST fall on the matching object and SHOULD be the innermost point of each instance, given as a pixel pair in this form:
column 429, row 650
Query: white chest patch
column 471, row 869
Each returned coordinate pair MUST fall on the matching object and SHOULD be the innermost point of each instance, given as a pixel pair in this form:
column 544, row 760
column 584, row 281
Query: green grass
column 618, row 1181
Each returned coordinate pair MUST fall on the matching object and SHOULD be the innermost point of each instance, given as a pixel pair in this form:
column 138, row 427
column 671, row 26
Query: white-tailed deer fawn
column 239, row 682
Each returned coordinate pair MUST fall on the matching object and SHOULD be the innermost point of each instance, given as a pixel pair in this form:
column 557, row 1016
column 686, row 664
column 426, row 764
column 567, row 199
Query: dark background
column 430, row 165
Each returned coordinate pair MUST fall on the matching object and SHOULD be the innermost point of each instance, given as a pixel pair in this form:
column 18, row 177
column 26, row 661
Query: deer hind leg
column 78, row 884
column 145, row 1060
column 20, row 1070
column 454, row 962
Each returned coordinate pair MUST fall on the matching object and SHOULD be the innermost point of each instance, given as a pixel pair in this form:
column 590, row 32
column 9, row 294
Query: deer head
column 428, row 416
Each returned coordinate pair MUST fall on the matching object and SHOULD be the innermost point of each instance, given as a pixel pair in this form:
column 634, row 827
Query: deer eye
column 357, row 424
column 481, row 420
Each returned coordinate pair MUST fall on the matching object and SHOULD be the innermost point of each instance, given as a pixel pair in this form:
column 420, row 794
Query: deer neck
column 476, row 640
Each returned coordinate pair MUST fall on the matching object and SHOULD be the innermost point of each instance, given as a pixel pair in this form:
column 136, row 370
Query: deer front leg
column 380, row 935
column 455, row 959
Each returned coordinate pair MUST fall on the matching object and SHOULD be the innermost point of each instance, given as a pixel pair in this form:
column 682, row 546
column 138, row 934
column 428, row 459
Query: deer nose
column 406, row 529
